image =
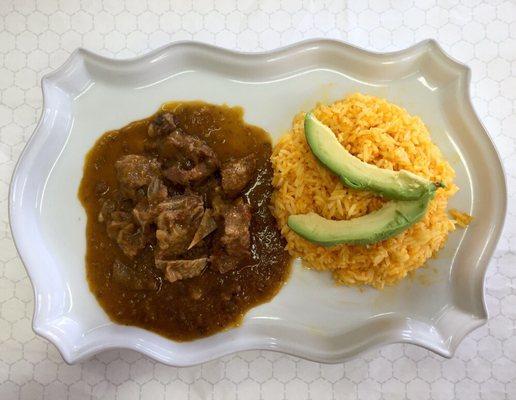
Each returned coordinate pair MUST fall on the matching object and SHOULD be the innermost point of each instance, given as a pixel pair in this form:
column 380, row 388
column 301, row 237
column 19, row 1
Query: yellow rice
column 379, row 133
column 460, row 218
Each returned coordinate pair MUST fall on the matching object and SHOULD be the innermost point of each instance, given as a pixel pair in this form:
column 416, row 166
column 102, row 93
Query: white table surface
column 36, row 38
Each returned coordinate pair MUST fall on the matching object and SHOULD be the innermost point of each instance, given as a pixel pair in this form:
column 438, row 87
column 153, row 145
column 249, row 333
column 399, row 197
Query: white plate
column 310, row 317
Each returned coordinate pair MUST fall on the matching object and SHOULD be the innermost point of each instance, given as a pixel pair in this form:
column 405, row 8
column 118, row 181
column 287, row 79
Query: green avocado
column 356, row 174
column 393, row 218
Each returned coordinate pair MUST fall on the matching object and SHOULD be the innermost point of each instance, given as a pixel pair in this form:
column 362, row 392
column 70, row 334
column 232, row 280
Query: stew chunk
column 182, row 269
column 177, row 223
column 195, row 160
column 134, row 171
column 234, row 247
column 123, row 230
column 162, row 125
column 236, row 174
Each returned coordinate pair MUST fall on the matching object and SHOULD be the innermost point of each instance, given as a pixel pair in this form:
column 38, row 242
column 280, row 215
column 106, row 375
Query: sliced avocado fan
column 411, row 195
column 393, row 218
column 356, row 174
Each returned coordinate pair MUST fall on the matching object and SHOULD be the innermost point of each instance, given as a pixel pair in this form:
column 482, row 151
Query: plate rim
column 74, row 353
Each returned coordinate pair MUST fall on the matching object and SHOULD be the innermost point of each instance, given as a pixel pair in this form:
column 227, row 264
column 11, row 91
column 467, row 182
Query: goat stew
column 180, row 238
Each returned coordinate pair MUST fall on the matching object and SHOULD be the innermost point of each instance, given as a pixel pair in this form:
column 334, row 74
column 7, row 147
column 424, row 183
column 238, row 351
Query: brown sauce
column 175, row 310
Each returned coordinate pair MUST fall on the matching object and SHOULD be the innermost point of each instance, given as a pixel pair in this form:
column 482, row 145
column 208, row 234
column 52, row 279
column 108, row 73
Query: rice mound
column 379, row 133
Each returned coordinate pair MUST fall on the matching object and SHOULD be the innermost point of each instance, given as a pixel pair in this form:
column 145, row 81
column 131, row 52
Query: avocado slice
column 356, row 174
column 393, row 218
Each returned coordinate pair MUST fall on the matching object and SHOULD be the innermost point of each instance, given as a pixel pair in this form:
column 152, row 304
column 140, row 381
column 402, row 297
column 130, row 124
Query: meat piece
column 146, row 211
column 122, row 229
column 195, row 160
column 134, row 171
column 236, row 174
column 234, row 247
column 101, row 189
column 206, row 226
column 182, row 269
column 131, row 240
column 156, row 191
column 145, row 215
column 237, row 219
column 162, row 125
column 106, row 209
column 133, row 279
column 219, row 205
column 223, row 262
column 208, row 189
column 116, row 221
column 177, row 222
